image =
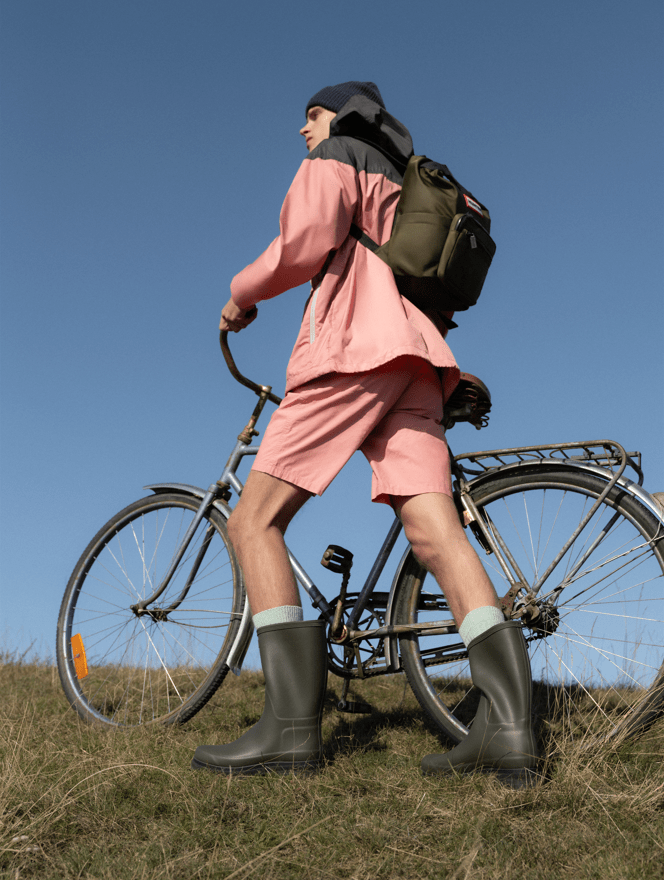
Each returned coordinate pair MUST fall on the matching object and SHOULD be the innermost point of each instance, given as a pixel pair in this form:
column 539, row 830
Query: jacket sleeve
column 315, row 219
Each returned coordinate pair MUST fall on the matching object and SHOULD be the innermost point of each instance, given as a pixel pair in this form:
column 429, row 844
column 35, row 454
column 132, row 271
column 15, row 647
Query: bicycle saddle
column 470, row 402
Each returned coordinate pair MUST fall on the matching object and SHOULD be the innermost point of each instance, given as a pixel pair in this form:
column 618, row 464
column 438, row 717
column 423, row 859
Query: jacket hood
column 367, row 121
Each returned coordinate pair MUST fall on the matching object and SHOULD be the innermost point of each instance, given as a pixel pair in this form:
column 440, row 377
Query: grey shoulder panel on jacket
column 358, row 154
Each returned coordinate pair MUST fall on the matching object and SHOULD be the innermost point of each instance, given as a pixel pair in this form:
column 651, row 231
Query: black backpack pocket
column 465, row 261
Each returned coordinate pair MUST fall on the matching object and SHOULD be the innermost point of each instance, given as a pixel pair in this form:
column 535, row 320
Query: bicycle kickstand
column 352, row 707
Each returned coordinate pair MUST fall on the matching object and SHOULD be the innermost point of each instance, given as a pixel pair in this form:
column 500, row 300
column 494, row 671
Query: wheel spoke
column 598, row 645
column 151, row 664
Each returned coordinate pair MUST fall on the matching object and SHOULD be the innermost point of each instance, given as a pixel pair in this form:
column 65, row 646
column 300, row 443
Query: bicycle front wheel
column 124, row 667
column 597, row 647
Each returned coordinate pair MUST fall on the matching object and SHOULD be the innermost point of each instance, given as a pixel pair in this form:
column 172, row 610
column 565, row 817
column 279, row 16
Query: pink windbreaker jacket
column 355, row 319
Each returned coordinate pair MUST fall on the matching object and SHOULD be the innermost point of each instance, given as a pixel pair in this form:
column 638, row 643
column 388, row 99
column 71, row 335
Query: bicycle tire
column 598, row 673
column 143, row 669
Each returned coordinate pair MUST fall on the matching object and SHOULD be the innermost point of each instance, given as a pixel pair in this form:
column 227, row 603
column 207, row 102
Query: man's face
column 317, row 126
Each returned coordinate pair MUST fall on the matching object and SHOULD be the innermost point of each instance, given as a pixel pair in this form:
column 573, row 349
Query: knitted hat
column 334, row 97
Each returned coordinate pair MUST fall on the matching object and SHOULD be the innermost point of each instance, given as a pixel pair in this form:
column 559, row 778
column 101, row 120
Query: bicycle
column 154, row 615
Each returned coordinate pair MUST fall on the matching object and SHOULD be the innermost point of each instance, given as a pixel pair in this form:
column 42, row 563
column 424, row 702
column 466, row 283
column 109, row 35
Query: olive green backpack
column 440, row 249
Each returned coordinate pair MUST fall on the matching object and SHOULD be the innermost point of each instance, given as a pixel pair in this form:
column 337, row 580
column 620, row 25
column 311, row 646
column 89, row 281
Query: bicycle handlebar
column 237, row 375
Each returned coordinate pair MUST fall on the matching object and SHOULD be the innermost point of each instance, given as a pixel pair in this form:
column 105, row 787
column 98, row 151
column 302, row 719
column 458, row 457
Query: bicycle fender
column 194, row 491
column 240, row 646
column 629, row 486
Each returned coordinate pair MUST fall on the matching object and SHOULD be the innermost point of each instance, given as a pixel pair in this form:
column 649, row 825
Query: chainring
column 342, row 658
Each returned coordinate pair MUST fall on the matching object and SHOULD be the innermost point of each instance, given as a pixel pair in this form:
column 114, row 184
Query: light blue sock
column 280, row 614
column 478, row 621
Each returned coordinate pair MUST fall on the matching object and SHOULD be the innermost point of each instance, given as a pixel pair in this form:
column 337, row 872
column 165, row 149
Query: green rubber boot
column 501, row 739
column 287, row 736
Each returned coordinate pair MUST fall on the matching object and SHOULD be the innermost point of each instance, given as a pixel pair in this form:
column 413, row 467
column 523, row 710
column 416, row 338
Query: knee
column 236, row 530
column 426, row 553
column 248, row 525
column 433, row 547
column 423, row 546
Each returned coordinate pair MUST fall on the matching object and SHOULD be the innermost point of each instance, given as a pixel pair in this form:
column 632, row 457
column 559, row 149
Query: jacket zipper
column 312, row 317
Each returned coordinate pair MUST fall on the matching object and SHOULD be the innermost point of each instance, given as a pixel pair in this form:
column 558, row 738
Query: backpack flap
column 426, row 208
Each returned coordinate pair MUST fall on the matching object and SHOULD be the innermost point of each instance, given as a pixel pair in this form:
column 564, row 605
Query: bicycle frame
column 489, row 462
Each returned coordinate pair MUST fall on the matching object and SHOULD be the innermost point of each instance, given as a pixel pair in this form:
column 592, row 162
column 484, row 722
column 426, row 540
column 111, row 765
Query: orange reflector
column 78, row 652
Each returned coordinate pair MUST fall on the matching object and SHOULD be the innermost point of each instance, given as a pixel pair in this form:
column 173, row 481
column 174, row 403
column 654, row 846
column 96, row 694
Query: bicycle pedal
column 354, row 707
column 337, row 559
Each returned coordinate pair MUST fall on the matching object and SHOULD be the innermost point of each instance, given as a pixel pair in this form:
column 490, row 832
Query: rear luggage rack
column 604, row 453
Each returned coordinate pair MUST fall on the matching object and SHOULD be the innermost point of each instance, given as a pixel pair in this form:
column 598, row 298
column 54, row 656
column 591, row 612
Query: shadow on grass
column 563, row 716
column 363, row 733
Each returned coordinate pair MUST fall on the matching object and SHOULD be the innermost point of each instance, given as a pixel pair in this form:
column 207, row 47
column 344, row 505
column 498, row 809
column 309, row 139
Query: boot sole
column 519, row 777
column 280, row 767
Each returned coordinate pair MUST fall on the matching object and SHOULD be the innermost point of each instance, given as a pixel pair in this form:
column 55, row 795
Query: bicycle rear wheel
column 121, row 668
column 597, row 648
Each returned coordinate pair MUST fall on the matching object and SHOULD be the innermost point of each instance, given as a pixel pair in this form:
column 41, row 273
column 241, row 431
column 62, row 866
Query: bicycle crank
column 363, row 657
column 340, row 561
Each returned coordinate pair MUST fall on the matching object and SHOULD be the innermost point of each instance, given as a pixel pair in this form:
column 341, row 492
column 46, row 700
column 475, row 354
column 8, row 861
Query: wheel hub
column 159, row 615
column 542, row 619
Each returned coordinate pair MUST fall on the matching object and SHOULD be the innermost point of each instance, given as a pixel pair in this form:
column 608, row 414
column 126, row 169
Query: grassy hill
column 78, row 802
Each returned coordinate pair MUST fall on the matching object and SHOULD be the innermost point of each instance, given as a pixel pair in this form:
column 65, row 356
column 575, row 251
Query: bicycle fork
column 141, row 608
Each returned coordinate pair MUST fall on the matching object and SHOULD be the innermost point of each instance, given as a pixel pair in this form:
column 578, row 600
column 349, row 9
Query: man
column 365, row 373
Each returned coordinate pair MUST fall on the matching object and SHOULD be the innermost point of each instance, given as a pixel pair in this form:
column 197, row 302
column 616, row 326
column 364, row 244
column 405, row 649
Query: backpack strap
column 357, row 233
column 369, row 243
column 363, row 238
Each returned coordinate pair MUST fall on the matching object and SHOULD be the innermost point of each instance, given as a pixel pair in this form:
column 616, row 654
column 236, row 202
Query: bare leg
column 501, row 738
column 256, row 528
column 287, row 737
column 432, row 526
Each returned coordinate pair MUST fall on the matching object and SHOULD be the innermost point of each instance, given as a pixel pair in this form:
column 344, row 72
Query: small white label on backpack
column 472, row 204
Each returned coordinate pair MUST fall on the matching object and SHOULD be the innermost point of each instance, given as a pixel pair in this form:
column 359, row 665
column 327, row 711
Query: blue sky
column 145, row 151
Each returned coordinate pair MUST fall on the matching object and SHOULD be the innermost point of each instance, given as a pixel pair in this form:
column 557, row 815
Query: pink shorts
column 392, row 414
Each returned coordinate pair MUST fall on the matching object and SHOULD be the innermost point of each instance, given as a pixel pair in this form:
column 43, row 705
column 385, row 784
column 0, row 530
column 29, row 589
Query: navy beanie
column 334, row 97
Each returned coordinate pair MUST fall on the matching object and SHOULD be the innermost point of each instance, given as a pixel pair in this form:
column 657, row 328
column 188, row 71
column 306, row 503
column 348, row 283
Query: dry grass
column 77, row 802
